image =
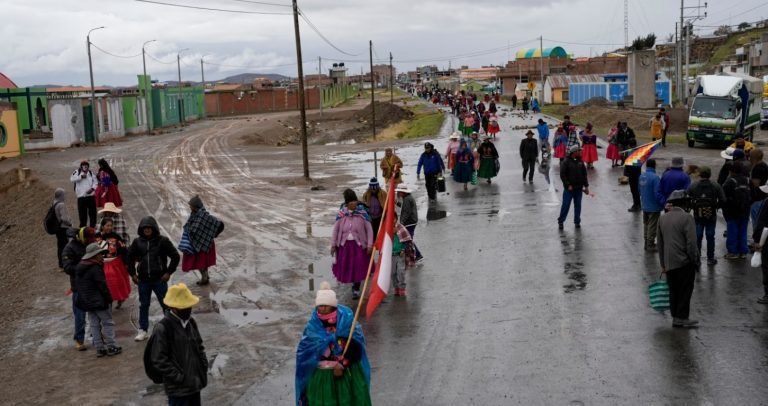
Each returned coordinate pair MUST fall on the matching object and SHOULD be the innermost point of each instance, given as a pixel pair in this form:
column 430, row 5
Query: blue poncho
column 316, row 339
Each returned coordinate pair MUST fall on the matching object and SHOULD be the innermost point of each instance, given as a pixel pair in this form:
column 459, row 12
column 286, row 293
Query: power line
column 252, row 67
column 742, row 13
column 157, row 60
column 580, row 43
column 263, row 3
column 116, row 56
column 323, row 37
column 210, row 8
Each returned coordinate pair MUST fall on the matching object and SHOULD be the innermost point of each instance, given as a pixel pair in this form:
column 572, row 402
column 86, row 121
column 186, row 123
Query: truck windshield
column 712, row 107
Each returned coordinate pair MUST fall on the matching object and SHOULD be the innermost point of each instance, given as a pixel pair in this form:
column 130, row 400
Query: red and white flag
column 382, row 278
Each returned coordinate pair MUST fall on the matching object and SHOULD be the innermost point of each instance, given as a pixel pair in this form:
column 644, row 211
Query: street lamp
column 93, row 90
column 181, row 98
column 147, row 94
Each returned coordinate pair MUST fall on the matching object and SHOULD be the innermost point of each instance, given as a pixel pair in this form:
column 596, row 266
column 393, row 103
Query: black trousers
column 61, row 242
column 680, row 282
column 634, row 187
column 431, row 181
column 86, row 210
column 765, row 279
column 529, row 166
column 664, row 138
column 375, row 224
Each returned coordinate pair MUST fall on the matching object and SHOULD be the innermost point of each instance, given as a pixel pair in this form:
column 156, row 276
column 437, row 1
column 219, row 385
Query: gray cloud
column 412, row 31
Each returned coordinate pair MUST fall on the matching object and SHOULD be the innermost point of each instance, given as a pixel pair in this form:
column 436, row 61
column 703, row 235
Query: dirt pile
column 28, row 265
column 605, row 116
column 386, row 114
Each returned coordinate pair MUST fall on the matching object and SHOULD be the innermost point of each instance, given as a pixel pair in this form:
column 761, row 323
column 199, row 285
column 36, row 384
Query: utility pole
column 688, row 27
column 319, row 86
column 202, row 74
column 93, row 89
column 680, row 77
column 541, row 60
column 373, row 87
column 147, row 94
column 181, row 98
column 626, row 24
column 302, row 106
column 391, row 81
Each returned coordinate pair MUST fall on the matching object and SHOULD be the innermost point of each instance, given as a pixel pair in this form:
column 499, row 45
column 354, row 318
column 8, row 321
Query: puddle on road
column 578, row 278
column 434, row 214
column 350, row 141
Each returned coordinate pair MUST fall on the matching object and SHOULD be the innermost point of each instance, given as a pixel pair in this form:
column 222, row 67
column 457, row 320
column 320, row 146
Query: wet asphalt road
column 508, row 310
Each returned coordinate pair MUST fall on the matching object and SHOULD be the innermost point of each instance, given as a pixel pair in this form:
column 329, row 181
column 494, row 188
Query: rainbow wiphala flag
column 639, row 155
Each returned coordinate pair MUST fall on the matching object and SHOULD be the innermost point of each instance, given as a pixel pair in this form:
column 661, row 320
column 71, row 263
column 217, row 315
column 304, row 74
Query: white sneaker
column 141, row 336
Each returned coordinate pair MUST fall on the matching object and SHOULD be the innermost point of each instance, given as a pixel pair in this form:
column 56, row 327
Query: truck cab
column 724, row 108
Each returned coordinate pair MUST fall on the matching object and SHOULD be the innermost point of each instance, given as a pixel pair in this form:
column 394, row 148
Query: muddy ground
column 273, row 252
column 604, row 115
column 348, row 124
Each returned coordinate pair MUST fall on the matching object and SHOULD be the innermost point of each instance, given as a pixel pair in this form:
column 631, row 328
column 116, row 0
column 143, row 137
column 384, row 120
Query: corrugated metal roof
column 562, row 81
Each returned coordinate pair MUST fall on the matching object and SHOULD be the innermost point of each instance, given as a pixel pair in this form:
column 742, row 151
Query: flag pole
column 368, row 275
column 636, row 148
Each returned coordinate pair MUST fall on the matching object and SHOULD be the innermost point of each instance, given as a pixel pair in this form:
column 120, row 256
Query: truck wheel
column 691, row 143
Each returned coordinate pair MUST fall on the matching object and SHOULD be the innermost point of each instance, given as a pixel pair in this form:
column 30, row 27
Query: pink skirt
column 200, row 260
column 118, row 282
column 351, row 263
column 613, row 152
column 589, row 153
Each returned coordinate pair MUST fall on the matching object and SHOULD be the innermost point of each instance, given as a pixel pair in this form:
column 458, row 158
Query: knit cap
column 326, row 296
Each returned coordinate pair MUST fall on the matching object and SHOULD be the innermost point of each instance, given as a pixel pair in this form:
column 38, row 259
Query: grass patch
column 728, row 49
column 421, row 125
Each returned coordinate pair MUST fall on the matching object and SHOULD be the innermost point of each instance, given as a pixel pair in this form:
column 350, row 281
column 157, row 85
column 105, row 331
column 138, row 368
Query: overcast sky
column 43, row 41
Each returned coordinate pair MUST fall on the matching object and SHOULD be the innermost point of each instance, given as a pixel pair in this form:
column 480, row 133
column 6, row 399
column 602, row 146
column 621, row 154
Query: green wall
column 334, row 95
column 130, row 112
column 165, row 104
column 26, row 100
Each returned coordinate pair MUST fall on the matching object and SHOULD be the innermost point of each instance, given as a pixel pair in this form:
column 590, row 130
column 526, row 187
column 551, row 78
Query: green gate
column 88, row 124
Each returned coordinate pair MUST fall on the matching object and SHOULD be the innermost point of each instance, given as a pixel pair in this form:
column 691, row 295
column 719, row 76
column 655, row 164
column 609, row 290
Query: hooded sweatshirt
column 60, row 207
column 151, row 253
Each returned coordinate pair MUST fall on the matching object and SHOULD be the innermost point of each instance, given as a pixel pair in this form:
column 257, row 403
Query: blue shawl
column 316, row 339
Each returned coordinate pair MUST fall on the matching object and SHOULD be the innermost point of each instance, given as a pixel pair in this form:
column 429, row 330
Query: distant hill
column 241, row 78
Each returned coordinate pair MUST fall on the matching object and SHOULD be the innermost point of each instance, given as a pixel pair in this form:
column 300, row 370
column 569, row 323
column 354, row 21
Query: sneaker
column 731, row 256
column 711, row 261
column 763, row 300
column 141, row 336
column 577, row 225
column 114, row 350
column 742, row 256
column 420, row 260
column 633, row 209
column 355, row 294
column 530, row 182
column 80, row 346
column 101, row 352
column 560, row 226
column 684, row 323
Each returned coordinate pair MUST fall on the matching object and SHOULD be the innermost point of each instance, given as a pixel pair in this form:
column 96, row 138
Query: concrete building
column 556, row 86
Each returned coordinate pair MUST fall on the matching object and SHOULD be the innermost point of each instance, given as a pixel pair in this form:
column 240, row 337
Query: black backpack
column 51, row 223
column 741, row 202
column 704, row 205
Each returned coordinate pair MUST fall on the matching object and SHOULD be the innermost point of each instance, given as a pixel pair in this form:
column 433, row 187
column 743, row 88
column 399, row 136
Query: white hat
column 403, row 188
column 727, row 153
column 455, row 136
column 110, row 207
column 326, row 296
column 764, row 188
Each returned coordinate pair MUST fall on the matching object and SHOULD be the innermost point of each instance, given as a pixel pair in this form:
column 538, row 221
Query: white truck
column 725, row 106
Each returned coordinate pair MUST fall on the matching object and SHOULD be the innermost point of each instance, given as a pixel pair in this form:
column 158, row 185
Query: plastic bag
column 757, row 259
column 658, row 294
column 474, row 178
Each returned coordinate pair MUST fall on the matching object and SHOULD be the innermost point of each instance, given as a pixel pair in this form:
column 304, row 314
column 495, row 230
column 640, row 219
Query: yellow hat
column 180, row 297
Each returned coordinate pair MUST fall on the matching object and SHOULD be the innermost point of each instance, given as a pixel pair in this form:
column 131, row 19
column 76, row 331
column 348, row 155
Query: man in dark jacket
column 176, row 351
column 70, row 258
column 674, row 178
column 94, row 298
column 738, row 201
column 409, row 214
column 433, row 166
column 152, row 252
column 529, row 151
column 679, row 257
column 706, row 197
column 573, row 173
